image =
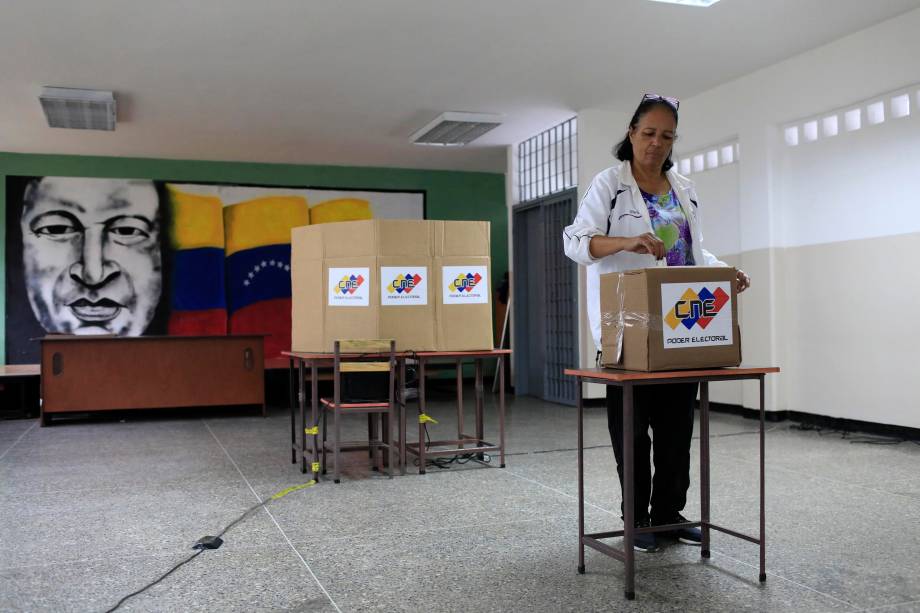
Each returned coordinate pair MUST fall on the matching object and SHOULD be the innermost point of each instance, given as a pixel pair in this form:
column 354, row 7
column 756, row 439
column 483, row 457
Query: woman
column 633, row 214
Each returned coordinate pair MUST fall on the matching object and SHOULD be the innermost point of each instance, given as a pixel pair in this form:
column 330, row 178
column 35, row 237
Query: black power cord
column 852, row 437
column 446, row 461
column 212, row 542
column 152, row 583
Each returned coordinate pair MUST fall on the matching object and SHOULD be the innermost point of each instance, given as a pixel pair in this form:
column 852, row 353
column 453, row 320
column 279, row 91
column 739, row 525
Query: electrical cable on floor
column 853, row 437
column 213, row 542
column 163, row 576
column 446, row 461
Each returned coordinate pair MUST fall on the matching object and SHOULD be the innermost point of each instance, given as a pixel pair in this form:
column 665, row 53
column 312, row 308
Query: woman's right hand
column 602, row 246
column 645, row 243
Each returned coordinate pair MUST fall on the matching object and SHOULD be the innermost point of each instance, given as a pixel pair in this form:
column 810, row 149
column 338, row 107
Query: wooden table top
column 71, row 338
column 320, row 356
column 20, row 370
column 613, row 374
column 305, row 355
column 484, row 353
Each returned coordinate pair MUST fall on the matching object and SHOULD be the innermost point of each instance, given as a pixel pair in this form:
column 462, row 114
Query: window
column 900, row 106
column 548, row 162
column 853, row 119
column 810, row 131
column 875, row 112
column 872, row 112
column 707, row 159
column 698, row 163
column 712, row 159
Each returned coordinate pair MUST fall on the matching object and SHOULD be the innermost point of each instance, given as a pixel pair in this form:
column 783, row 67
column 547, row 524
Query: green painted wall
column 450, row 195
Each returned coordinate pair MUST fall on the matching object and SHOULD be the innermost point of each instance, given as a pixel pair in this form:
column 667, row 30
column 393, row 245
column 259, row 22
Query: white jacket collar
column 625, row 176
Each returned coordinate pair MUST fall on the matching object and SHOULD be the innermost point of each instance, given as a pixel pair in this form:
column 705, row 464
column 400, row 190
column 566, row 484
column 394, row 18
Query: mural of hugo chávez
column 84, row 256
column 137, row 257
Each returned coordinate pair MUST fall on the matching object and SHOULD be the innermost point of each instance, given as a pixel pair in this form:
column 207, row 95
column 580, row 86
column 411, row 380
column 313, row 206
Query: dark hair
column 623, row 150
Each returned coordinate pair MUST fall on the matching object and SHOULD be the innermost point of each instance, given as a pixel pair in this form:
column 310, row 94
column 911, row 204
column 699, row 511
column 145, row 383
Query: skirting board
column 820, row 421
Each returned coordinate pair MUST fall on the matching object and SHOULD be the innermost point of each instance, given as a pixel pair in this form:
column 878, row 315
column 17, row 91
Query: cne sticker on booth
column 696, row 314
column 349, row 287
column 403, row 285
column 466, row 284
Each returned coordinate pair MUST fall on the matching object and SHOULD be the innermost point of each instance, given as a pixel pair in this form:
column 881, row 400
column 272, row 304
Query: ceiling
column 345, row 82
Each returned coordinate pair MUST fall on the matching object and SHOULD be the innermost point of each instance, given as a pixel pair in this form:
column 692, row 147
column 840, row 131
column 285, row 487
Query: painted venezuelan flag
column 341, row 209
column 258, row 250
column 198, row 296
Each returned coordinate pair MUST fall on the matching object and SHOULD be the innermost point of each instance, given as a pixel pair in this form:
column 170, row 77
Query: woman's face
column 653, row 137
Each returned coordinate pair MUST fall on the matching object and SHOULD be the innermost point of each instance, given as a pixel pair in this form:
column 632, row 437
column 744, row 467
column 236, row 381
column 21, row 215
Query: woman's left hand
column 742, row 281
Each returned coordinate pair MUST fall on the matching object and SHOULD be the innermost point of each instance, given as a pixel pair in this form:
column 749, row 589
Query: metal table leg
column 314, row 413
column 480, row 431
column 501, row 411
column 421, row 409
column 301, row 400
column 581, row 481
column 704, row 467
column 460, row 403
column 763, row 521
column 291, row 406
column 402, row 416
column 629, row 502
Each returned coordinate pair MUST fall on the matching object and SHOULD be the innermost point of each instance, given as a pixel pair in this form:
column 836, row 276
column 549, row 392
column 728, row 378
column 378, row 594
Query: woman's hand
column 645, row 243
column 742, row 281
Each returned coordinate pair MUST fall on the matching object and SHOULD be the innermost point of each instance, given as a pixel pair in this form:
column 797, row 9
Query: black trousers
column 668, row 411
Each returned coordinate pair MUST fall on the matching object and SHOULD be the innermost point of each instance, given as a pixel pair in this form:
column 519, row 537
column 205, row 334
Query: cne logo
column 465, row 282
column 350, row 283
column 696, row 308
column 404, row 284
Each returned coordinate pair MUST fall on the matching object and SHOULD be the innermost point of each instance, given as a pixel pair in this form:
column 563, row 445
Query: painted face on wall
column 91, row 254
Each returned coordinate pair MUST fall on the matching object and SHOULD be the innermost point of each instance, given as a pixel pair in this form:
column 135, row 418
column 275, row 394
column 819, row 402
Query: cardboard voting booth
column 424, row 283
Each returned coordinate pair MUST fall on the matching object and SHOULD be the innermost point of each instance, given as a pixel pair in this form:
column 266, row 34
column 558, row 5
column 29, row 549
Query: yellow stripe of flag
column 264, row 221
column 342, row 209
column 197, row 221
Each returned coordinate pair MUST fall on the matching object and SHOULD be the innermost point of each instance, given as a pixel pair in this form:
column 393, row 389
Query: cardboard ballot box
column 670, row 318
column 424, row 283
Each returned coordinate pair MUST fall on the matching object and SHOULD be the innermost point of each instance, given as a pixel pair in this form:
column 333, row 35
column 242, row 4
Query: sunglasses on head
column 673, row 102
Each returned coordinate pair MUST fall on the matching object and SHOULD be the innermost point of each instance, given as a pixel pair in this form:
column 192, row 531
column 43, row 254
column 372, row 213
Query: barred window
column 548, row 162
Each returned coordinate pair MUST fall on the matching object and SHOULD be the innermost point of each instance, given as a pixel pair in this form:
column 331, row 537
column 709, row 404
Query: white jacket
column 613, row 206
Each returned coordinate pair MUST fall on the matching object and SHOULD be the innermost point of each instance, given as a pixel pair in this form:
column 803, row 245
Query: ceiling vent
column 81, row 109
column 453, row 129
column 699, row 3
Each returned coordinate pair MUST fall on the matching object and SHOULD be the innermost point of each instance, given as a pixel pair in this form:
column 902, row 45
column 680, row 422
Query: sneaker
column 690, row 536
column 645, row 542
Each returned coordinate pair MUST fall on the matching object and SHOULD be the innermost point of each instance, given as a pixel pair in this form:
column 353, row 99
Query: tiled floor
column 91, row 511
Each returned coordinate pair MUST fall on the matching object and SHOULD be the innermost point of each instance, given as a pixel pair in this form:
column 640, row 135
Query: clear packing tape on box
column 622, row 319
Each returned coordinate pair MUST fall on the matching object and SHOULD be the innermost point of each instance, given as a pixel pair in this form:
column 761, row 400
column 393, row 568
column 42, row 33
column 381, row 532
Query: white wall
column 598, row 132
column 797, row 207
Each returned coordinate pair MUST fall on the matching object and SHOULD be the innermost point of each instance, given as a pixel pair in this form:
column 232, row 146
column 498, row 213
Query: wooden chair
column 362, row 356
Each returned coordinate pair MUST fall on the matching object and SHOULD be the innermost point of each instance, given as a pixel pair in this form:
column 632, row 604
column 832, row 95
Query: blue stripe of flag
column 198, row 279
column 261, row 273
